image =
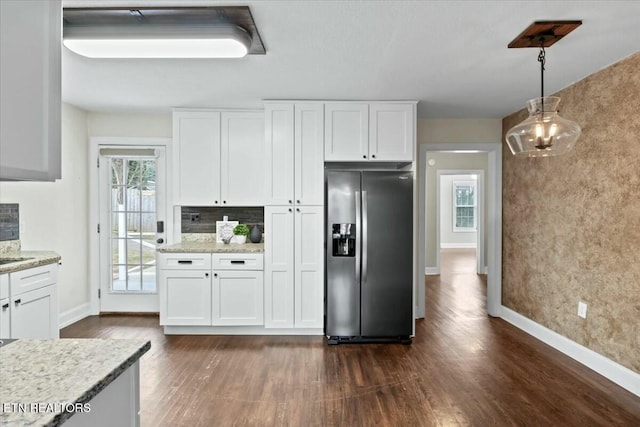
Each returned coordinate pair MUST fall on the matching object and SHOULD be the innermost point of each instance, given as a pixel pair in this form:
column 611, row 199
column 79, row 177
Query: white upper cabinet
column 30, row 83
column 391, row 132
column 218, row 158
column 279, row 156
column 242, row 168
column 346, row 132
column 196, row 157
column 309, row 154
column 376, row 132
column 294, row 153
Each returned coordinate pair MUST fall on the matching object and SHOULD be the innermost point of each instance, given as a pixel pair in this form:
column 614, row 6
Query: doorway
column 460, row 214
column 131, row 213
column 493, row 220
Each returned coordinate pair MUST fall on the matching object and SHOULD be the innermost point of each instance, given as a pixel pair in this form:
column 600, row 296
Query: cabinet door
column 346, row 132
column 309, row 267
column 237, row 298
column 279, row 154
column 185, row 297
column 278, row 267
column 391, row 132
column 34, row 314
column 30, row 83
column 196, row 158
column 242, row 167
column 5, row 330
column 309, row 154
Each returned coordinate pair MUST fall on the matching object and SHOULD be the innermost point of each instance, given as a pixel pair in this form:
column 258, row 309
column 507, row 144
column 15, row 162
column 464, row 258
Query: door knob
column 160, row 240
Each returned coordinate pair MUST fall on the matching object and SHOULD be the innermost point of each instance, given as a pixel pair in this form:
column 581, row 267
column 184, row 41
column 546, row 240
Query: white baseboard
column 457, row 245
column 73, row 315
column 624, row 377
column 431, row 271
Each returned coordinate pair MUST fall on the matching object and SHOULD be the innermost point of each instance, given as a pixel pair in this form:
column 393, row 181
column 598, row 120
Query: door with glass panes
column 132, row 194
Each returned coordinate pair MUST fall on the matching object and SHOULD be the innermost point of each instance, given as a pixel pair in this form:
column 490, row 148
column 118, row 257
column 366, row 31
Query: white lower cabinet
column 185, row 297
column 32, row 311
column 211, row 289
column 237, row 298
column 294, row 267
column 5, row 313
column 5, row 316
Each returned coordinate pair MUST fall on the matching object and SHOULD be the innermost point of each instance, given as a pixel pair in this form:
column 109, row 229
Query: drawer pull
column 18, row 301
column 240, row 261
column 185, row 261
column 5, row 306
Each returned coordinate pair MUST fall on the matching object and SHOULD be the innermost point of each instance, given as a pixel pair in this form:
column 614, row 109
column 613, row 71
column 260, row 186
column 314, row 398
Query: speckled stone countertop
column 206, row 243
column 36, row 258
column 47, row 375
column 213, row 247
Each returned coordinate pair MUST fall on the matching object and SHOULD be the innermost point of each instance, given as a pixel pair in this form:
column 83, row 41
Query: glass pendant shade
column 544, row 133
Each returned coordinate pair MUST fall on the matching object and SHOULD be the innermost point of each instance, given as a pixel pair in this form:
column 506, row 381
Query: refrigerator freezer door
column 387, row 284
column 343, row 287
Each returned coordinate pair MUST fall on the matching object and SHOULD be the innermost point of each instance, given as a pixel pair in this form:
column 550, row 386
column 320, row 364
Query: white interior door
column 132, row 208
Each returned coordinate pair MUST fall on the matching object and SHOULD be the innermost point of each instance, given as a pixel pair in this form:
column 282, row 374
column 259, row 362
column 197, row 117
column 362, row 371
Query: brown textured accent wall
column 571, row 224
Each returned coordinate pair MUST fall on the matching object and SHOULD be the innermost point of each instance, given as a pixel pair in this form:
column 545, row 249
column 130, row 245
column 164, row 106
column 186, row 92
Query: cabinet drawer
column 32, row 278
column 240, row 261
column 4, row 286
column 184, row 261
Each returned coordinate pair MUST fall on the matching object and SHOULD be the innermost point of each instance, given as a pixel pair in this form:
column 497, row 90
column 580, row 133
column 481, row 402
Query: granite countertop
column 213, row 247
column 37, row 258
column 46, row 375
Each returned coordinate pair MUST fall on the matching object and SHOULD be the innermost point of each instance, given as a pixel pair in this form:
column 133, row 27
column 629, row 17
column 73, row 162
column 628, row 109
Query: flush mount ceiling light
column 544, row 133
column 203, row 32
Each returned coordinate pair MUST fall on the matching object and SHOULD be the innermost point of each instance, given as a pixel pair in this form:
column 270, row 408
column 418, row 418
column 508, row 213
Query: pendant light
column 544, row 133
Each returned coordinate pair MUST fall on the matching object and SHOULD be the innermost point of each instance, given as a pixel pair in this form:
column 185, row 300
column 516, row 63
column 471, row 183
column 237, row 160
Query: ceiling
column 452, row 56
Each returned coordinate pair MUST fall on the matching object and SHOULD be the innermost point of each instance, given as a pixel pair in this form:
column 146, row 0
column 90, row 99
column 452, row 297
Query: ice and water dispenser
column 344, row 240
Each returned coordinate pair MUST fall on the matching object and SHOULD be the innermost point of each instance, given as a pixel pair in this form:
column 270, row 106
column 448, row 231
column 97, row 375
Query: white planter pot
column 239, row 239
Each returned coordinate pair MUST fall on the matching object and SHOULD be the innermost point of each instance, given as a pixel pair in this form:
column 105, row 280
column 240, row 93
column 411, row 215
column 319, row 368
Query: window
column 464, row 206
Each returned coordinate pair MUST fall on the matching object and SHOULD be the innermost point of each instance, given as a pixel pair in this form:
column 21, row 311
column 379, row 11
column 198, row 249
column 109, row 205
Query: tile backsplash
column 209, row 215
column 9, row 222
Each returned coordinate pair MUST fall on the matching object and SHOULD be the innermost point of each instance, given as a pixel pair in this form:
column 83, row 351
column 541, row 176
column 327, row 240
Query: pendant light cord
column 541, row 60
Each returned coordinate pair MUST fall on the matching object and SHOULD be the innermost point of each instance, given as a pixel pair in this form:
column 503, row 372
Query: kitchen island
column 73, row 381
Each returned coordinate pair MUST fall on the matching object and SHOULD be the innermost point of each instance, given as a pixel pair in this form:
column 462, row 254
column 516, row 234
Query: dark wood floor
column 463, row 369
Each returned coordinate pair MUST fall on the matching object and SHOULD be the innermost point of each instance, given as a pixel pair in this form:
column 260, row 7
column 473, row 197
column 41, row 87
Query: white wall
column 55, row 214
column 449, row 238
column 133, row 125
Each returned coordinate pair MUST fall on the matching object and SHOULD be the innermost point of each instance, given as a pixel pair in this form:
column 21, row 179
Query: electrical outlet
column 194, row 217
column 582, row 309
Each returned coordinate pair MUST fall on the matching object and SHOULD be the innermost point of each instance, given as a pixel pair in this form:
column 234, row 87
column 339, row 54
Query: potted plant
column 240, row 233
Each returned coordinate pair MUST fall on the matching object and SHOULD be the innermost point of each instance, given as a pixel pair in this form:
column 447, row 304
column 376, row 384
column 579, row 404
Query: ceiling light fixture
column 544, row 133
column 191, row 32
column 151, row 41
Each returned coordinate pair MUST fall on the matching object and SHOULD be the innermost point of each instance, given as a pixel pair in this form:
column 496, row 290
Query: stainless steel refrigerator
column 369, row 259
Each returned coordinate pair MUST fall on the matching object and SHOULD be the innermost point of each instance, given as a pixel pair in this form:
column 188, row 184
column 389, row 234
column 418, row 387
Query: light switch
column 582, row 309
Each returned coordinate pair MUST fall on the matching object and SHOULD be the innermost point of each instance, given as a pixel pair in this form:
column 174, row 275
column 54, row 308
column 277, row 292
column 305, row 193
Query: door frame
column 480, row 206
column 94, row 202
column 493, row 187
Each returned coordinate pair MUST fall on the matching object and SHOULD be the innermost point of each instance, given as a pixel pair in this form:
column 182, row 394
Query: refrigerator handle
column 358, row 232
column 364, row 236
